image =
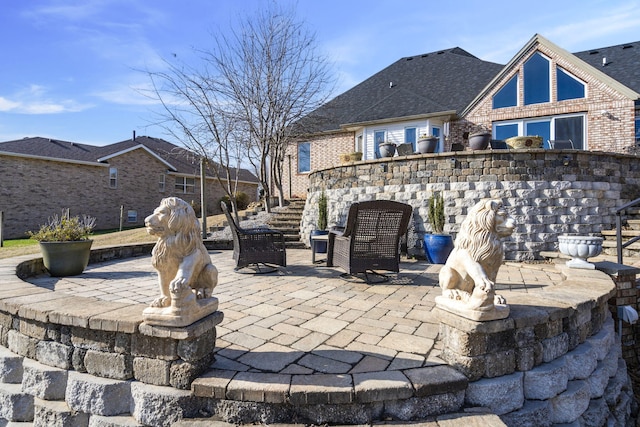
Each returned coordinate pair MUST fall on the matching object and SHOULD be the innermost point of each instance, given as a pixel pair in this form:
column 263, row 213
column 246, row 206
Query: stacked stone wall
column 548, row 192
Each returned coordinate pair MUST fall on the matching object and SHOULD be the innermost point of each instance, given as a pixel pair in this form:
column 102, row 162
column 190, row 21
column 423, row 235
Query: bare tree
column 273, row 72
column 242, row 100
column 195, row 113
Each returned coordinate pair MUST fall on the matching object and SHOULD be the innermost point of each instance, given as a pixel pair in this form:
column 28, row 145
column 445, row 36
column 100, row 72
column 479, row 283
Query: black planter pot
column 437, row 247
column 479, row 140
column 427, row 145
column 66, row 258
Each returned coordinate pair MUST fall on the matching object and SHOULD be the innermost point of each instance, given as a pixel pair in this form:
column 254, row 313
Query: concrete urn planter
column 579, row 248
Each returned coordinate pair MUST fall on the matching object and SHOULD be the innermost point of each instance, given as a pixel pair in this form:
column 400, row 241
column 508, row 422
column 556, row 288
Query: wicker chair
column 371, row 238
column 253, row 247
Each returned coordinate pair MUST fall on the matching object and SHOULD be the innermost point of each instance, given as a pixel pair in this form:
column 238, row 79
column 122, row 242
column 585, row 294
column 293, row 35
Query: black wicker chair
column 256, row 247
column 371, row 238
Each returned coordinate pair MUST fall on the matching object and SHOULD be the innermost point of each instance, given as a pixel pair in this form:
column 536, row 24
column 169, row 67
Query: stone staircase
column 630, row 229
column 287, row 220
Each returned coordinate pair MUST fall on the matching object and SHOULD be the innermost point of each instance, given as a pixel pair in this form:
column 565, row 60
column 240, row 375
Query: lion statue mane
column 184, row 266
column 469, row 275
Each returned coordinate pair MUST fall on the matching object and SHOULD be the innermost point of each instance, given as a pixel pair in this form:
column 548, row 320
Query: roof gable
column 136, row 147
column 575, row 60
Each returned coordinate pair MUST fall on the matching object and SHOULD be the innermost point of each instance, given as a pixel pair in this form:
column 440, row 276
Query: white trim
column 52, row 159
column 119, row 153
column 209, row 177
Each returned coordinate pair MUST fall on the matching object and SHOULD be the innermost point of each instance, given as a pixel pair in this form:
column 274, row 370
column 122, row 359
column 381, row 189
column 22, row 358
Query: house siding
column 612, row 131
column 41, row 188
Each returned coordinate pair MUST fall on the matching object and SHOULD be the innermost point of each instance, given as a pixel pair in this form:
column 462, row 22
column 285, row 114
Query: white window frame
column 113, row 177
column 184, row 186
column 162, row 184
column 552, row 126
column 132, row 215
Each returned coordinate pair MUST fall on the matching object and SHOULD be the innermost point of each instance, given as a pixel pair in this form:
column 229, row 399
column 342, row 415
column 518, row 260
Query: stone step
column 57, row 413
column 15, row 405
column 10, row 366
column 625, row 233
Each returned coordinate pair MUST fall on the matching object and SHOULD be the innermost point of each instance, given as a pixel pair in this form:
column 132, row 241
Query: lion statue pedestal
column 468, row 277
column 185, row 272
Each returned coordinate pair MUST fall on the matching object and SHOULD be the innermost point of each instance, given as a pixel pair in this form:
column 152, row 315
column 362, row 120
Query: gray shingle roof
column 184, row 161
column 622, row 62
column 445, row 80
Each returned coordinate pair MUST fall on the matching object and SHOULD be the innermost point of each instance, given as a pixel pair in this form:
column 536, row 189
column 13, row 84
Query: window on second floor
column 507, row 96
column 304, row 157
column 637, row 131
column 185, row 185
column 536, row 80
column 567, row 86
column 113, row 177
column 161, row 183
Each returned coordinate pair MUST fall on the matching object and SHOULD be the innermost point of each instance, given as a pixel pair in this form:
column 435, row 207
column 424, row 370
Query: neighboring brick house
column 44, row 176
column 590, row 97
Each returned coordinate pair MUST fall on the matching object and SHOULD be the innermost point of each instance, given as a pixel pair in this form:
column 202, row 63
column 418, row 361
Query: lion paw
column 177, row 284
column 485, row 285
column 161, row 302
column 499, row 299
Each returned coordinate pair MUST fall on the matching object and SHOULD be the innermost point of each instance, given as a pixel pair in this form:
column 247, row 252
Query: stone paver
column 305, row 318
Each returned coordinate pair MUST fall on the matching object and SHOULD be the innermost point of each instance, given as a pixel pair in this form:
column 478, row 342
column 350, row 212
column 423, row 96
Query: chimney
column 134, row 135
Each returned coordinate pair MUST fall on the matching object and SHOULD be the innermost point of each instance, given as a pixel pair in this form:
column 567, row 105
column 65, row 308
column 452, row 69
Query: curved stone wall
column 548, row 192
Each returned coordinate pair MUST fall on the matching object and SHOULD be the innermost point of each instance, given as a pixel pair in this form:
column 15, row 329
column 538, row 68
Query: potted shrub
column 387, row 149
column 65, row 244
column 321, row 226
column 427, row 144
column 437, row 245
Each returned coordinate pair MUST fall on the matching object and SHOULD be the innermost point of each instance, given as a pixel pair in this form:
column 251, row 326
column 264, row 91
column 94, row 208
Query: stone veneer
column 548, row 192
column 555, row 360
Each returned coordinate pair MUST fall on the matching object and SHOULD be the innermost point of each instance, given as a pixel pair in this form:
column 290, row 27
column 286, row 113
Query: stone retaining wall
column 548, row 192
column 64, row 359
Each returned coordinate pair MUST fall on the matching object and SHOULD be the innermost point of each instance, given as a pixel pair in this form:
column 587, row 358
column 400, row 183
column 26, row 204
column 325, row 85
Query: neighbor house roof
column 441, row 82
column 177, row 159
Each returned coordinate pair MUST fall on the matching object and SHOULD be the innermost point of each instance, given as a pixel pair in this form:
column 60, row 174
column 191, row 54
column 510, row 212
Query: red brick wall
column 36, row 189
column 325, row 153
column 613, row 131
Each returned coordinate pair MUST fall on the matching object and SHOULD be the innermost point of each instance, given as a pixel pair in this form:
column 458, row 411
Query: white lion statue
column 468, row 277
column 185, row 271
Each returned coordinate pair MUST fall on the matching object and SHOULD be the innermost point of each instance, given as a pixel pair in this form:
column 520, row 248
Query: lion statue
column 468, row 277
column 181, row 259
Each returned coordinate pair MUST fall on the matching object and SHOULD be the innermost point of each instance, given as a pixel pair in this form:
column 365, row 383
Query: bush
column 64, row 229
column 242, row 201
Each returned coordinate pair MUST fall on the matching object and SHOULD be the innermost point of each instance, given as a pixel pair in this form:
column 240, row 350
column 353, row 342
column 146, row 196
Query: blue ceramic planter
column 437, row 247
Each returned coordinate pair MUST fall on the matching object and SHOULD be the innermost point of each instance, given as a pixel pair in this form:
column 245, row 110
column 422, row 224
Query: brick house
column 44, row 176
column 590, row 97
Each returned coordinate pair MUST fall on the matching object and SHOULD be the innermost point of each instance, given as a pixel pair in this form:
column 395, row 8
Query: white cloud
column 35, row 100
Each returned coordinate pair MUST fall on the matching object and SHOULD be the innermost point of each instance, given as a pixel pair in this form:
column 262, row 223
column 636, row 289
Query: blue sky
column 69, row 69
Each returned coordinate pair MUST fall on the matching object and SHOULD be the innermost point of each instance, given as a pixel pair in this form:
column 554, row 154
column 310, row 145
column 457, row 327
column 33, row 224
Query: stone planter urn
column 427, row 145
column 479, row 140
column 387, row 149
column 579, row 248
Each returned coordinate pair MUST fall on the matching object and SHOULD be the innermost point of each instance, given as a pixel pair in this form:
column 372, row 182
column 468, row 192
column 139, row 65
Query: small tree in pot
column 321, row 246
column 437, row 245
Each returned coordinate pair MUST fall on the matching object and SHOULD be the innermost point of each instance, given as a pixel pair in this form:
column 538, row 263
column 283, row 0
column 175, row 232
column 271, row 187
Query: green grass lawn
column 19, row 243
